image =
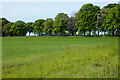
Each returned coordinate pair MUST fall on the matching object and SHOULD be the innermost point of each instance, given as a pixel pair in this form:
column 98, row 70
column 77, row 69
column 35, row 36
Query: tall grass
column 98, row 60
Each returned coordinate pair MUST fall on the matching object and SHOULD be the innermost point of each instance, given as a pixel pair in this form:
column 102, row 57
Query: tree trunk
column 118, row 29
column 98, row 33
column 39, row 34
column 113, row 32
column 49, row 34
column 90, row 33
column 29, row 33
column 84, row 32
column 61, row 34
column 104, row 33
column 74, row 33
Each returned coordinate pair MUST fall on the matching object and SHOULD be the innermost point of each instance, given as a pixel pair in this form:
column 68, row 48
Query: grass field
column 60, row 57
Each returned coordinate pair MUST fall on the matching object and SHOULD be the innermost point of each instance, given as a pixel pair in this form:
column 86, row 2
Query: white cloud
column 111, row 1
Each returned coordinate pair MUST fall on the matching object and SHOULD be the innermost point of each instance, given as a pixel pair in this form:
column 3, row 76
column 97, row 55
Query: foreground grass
column 60, row 57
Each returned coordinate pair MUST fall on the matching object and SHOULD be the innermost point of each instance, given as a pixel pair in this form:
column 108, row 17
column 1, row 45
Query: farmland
column 59, row 57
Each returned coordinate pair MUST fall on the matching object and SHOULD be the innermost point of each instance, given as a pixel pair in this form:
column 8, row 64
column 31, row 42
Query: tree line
column 90, row 20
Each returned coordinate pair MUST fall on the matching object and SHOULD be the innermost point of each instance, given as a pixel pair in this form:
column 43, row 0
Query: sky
column 31, row 10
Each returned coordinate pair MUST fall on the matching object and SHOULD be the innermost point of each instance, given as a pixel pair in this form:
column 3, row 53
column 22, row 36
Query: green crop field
column 59, row 57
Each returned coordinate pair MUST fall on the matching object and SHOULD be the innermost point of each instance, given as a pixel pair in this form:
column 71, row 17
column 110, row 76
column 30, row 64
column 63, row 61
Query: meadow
column 59, row 57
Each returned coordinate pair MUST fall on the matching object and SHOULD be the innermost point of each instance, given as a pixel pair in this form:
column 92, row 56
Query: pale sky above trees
column 31, row 10
column 59, row 0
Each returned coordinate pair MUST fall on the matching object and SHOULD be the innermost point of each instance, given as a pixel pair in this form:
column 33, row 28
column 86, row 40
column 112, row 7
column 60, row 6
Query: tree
column 3, row 21
column 71, row 26
column 100, row 19
column 0, row 28
column 102, row 16
column 60, row 23
column 87, row 18
column 6, row 28
column 113, row 19
column 48, row 26
column 109, row 6
column 19, row 28
column 29, row 27
column 38, row 26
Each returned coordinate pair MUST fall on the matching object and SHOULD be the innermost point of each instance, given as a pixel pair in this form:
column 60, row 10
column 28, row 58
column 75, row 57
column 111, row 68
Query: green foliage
column 48, row 26
column 110, row 6
column 86, row 17
column 94, row 33
column 29, row 27
column 109, row 33
column 71, row 27
column 38, row 26
column 3, row 21
column 80, row 33
column 6, row 28
column 19, row 28
column 113, row 19
column 60, row 23
column 100, row 19
column 89, row 33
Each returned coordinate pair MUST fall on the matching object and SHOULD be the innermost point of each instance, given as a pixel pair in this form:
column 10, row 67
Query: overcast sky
column 31, row 10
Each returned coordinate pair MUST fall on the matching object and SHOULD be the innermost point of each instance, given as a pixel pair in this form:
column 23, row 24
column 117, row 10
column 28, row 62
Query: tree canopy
column 19, row 28
column 90, row 20
column 72, row 29
column 29, row 27
column 38, row 26
column 60, row 23
column 113, row 19
column 86, row 17
column 48, row 26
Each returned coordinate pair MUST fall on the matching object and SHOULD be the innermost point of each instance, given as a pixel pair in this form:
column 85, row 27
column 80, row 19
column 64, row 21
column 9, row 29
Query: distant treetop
column 110, row 5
